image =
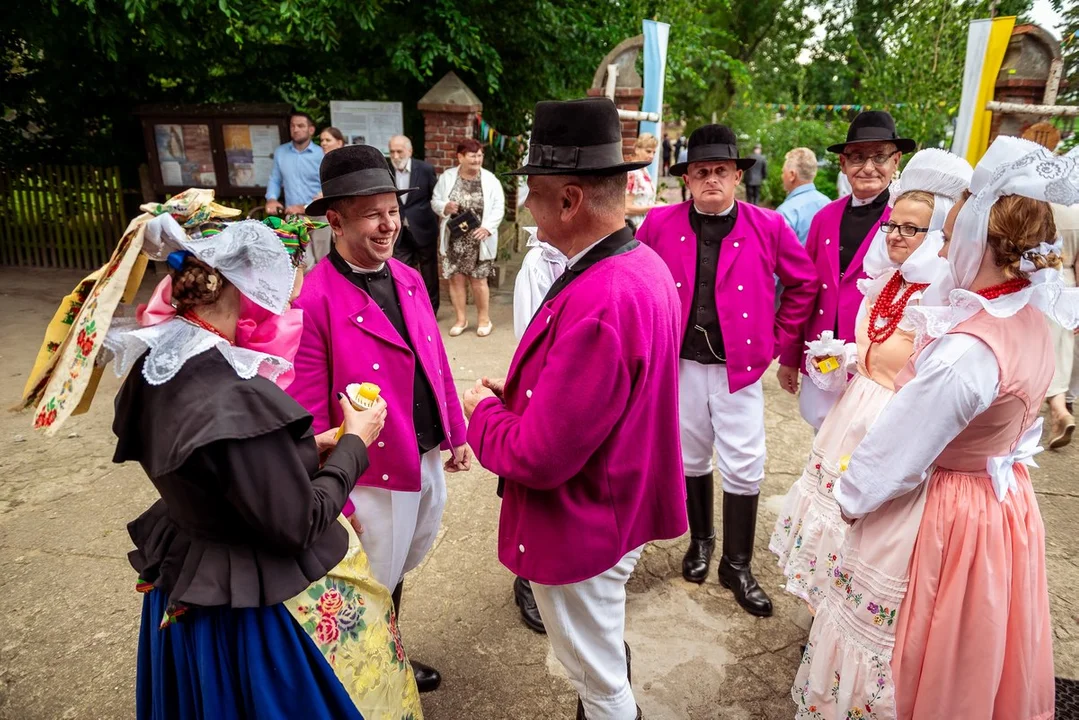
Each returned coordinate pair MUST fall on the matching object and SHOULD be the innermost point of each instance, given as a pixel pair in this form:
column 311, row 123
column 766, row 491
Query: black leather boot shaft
column 526, row 601
column 702, row 531
column 735, row 572
column 427, row 678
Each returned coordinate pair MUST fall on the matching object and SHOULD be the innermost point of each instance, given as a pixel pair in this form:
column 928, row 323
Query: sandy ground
column 67, row 640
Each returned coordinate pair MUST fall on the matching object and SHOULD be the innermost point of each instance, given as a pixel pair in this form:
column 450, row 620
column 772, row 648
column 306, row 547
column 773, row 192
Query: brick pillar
column 449, row 110
column 625, row 99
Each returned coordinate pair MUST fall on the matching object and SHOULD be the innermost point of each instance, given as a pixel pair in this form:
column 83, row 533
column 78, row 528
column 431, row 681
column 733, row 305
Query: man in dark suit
column 418, row 244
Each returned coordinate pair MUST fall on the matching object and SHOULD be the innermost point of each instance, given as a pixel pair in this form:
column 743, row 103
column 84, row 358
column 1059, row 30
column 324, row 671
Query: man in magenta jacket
column 838, row 240
column 722, row 255
column 368, row 318
column 584, row 430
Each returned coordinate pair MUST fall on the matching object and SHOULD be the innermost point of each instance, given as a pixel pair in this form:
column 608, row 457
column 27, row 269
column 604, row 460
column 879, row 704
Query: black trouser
column 424, row 258
column 753, row 194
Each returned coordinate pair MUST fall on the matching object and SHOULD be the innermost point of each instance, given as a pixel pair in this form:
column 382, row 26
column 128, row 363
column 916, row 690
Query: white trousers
column 399, row 527
column 814, row 403
column 586, row 622
column 711, row 416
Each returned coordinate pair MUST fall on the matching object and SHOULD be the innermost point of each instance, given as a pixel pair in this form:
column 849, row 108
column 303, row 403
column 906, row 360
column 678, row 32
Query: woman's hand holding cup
column 367, row 424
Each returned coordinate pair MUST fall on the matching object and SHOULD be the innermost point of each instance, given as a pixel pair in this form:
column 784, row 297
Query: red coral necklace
column 886, row 312
column 1005, row 288
column 199, row 322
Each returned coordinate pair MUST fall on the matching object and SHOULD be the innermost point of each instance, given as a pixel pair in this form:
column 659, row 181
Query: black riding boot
column 523, row 597
column 739, row 526
column 427, row 678
column 702, row 530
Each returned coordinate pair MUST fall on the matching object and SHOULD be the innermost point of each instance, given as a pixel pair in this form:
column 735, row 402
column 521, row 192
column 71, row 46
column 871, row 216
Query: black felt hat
column 352, row 171
column 711, row 143
column 576, row 137
column 874, row 126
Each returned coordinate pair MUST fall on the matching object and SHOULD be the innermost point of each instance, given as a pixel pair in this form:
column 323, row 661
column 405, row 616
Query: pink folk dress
column 948, row 575
column 809, row 531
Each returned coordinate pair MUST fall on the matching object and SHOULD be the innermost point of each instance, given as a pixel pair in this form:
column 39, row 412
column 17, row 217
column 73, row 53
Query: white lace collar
column 1046, row 292
column 173, row 343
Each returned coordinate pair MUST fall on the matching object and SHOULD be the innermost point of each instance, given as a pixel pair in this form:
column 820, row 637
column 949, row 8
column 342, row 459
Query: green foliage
column 1069, row 11
column 780, row 135
column 905, row 56
column 73, row 71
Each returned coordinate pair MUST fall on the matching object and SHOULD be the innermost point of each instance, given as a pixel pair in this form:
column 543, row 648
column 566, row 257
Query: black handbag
column 462, row 224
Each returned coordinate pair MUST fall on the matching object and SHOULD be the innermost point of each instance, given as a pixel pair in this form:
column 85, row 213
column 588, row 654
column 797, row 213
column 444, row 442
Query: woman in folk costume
column 259, row 602
column 939, row 606
column 903, row 259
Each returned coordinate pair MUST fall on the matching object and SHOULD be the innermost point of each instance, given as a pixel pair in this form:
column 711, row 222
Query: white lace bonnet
column 1011, row 166
column 247, row 253
column 944, row 175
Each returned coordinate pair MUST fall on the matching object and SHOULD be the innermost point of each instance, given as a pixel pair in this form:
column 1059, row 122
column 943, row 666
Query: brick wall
column 442, row 131
column 625, row 99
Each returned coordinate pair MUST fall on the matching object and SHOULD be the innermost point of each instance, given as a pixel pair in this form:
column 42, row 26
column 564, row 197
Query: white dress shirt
column 540, row 268
column 573, row 260
column 404, row 177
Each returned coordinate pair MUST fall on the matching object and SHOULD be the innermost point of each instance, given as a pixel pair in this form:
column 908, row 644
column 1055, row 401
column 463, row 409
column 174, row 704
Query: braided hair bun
column 1017, row 225
column 195, row 284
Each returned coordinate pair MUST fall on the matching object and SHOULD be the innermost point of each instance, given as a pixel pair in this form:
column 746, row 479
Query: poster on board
column 249, row 153
column 184, row 155
column 367, row 123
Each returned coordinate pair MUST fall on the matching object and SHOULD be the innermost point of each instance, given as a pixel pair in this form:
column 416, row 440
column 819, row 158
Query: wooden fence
column 60, row 216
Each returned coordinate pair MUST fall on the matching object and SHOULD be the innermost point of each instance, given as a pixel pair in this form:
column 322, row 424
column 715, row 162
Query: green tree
column 73, row 71
column 907, row 57
column 1070, row 47
column 717, row 46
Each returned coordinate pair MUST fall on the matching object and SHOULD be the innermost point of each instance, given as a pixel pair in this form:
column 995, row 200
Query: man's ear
column 334, row 219
column 572, row 199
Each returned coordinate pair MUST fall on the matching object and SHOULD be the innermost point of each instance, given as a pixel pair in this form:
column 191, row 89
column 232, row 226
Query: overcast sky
column 1045, row 16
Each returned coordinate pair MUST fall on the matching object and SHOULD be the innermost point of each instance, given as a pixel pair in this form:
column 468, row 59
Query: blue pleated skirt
column 224, row 663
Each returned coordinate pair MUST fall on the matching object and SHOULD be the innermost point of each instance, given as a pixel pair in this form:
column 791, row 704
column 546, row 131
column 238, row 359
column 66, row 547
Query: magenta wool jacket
column 759, row 246
column 348, row 339
column 839, row 298
column 587, row 436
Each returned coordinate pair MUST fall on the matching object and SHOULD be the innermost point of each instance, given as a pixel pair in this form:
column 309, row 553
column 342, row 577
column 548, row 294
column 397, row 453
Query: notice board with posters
column 367, row 123
column 228, row 148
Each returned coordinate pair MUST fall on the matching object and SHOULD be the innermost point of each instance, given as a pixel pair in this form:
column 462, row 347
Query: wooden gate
column 60, row 216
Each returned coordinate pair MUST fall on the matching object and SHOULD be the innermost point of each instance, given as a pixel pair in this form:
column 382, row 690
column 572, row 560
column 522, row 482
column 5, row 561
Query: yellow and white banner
column 987, row 41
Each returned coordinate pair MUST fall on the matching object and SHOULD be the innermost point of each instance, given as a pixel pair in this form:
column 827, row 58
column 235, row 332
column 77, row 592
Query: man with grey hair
column 584, row 432
column 803, row 199
column 417, row 246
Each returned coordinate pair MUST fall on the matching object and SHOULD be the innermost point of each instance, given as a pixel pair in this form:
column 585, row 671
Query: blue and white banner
column 655, row 70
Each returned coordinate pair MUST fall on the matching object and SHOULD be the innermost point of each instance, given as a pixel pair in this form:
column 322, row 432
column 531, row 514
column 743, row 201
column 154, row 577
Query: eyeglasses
column 857, row 160
column 722, row 172
column 907, row 231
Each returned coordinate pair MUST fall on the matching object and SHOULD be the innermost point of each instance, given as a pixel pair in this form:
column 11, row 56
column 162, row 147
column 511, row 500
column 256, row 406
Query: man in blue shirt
column 803, row 199
column 295, row 164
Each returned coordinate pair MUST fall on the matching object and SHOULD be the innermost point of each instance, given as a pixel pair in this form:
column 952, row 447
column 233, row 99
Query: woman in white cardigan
column 469, row 187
